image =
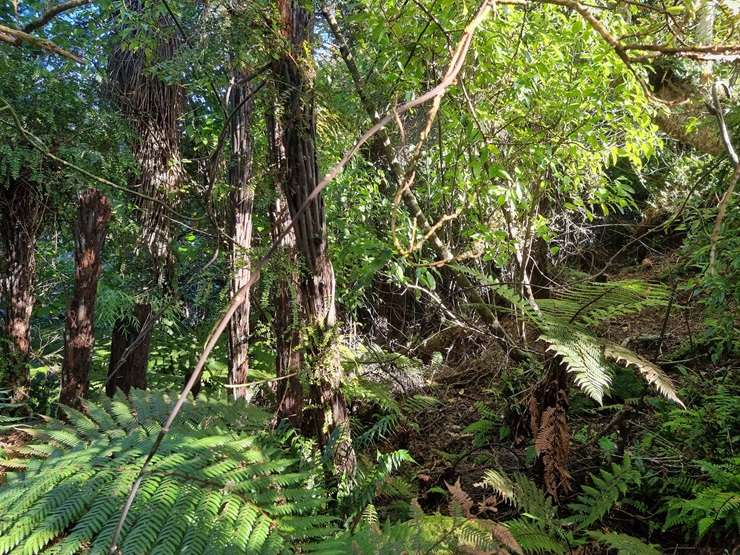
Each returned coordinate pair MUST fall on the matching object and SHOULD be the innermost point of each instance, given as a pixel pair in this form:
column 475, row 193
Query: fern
column 534, row 538
column 208, row 488
column 606, row 490
column 566, row 322
column 715, row 504
column 441, row 535
column 624, row 544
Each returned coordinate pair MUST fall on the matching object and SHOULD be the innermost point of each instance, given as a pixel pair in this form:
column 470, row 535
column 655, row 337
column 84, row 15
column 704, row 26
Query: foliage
column 216, row 481
column 540, row 529
column 714, row 505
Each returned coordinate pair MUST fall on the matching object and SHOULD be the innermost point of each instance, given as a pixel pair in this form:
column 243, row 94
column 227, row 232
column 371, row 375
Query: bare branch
column 51, row 13
column 727, row 197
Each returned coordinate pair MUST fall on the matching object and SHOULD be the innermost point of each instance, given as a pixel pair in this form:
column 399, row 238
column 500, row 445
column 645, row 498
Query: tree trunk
column 153, row 108
column 287, row 321
column 21, row 214
column 242, row 200
column 129, row 354
column 93, row 215
column 293, row 72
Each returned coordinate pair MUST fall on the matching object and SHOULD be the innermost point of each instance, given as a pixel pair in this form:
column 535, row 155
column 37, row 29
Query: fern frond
column 533, row 538
column 624, row 543
column 652, row 373
column 199, row 495
column 607, row 489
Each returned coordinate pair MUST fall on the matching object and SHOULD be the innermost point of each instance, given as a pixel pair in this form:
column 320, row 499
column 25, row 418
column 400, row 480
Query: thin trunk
column 287, row 319
column 242, row 201
column 129, row 355
column 293, row 72
column 21, row 214
column 93, row 215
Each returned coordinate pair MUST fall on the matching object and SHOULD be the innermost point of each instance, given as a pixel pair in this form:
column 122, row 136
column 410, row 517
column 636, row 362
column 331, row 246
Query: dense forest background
column 422, row 276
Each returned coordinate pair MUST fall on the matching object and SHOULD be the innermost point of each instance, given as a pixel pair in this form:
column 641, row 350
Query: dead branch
column 727, row 197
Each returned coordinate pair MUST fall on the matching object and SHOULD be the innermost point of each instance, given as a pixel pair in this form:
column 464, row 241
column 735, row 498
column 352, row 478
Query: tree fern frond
column 652, row 373
column 206, row 491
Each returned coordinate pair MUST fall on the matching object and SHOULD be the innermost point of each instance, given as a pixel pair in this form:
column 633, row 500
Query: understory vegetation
column 369, row 277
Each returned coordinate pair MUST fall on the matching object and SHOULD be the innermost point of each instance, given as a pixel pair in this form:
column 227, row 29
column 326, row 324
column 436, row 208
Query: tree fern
column 210, row 489
column 567, row 320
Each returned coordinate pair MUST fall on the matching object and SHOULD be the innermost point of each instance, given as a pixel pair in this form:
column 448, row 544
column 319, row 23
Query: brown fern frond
column 503, row 535
column 460, row 500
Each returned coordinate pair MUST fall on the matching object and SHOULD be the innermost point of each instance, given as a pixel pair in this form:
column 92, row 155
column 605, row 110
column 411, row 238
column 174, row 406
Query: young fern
column 208, row 489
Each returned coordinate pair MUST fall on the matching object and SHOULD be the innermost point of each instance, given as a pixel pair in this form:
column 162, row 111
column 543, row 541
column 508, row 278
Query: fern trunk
column 549, row 421
column 129, row 356
column 21, row 215
column 153, row 108
column 294, row 76
column 287, row 302
column 93, row 214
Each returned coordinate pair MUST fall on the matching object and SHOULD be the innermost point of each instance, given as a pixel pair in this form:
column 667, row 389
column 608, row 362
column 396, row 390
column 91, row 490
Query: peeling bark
column 93, row 215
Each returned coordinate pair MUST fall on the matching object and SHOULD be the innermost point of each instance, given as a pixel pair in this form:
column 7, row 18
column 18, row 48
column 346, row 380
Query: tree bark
column 153, row 108
column 21, row 215
column 129, row 356
column 242, row 201
column 294, row 77
column 93, row 215
column 287, row 321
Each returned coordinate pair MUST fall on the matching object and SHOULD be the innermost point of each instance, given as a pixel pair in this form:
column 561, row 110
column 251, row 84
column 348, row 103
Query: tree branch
column 51, row 13
column 14, row 37
column 727, row 197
